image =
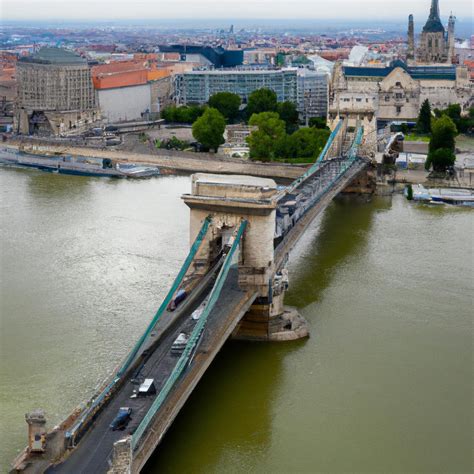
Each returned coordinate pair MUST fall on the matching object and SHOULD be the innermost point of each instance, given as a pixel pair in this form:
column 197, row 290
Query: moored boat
column 459, row 197
column 77, row 165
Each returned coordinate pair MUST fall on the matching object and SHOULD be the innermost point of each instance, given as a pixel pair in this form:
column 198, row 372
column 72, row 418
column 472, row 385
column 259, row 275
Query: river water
column 384, row 384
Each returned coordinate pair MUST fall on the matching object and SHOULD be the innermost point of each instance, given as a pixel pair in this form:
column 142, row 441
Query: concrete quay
column 170, row 162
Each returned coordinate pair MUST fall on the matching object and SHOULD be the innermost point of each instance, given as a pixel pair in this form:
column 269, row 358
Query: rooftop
column 49, row 55
column 241, row 71
column 416, row 72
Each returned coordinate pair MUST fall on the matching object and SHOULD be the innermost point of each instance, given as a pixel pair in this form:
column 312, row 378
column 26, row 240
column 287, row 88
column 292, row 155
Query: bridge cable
column 192, row 342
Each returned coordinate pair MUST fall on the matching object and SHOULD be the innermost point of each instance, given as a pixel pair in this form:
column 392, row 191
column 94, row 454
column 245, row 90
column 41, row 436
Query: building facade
column 131, row 90
column 312, row 92
column 381, row 95
column 436, row 45
column 196, row 87
column 55, row 94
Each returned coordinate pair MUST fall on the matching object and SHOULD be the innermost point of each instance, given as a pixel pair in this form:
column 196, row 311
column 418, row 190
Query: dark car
column 178, row 299
column 121, row 419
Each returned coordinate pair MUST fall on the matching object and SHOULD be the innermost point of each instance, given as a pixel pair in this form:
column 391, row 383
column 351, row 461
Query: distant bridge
column 233, row 282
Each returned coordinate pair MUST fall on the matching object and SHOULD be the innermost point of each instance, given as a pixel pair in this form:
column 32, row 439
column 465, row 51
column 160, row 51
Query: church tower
column 451, row 24
column 411, row 38
column 433, row 46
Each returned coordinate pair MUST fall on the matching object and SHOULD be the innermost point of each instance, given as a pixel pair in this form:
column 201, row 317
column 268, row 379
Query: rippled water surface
column 384, row 384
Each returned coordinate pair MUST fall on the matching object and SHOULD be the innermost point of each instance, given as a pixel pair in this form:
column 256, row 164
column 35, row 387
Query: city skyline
column 264, row 9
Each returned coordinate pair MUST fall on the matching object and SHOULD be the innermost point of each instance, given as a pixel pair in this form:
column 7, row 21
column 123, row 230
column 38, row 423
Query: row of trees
column 443, row 126
column 271, row 141
column 186, row 114
column 426, row 118
column 276, row 137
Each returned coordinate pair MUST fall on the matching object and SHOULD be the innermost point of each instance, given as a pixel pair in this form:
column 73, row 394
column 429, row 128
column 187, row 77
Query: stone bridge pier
column 228, row 200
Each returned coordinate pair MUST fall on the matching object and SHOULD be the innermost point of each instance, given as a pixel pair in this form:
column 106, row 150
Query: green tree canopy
column 262, row 100
column 226, row 103
column 423, row 124
column 289, row 114
column 306, row 142
column 442, row 144
column 263, row 141
column 454, row 111
column 443, row 134
column 184, row 114
column 318, row 122
column 440, row 159
column 209, row 128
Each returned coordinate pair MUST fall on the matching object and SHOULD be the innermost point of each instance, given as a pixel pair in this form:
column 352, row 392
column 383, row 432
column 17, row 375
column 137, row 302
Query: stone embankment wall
column 186, row 162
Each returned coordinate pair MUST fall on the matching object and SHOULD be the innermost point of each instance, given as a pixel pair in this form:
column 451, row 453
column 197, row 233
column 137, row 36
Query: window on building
column 398, row 84
column 399, row 109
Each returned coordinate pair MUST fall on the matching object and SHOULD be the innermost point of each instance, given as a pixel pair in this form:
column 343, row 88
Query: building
column 55, row 94
column 196, row 87
column 436, row 45
column 381, row 95
column 206, row 55
column 313, row 92
column 131, row 90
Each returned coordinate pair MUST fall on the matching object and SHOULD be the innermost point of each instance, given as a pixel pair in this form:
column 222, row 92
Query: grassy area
column 413, row 137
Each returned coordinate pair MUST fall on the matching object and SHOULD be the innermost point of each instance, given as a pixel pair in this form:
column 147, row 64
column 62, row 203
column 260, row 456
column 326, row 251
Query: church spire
column 434, row 12
column 434, row 25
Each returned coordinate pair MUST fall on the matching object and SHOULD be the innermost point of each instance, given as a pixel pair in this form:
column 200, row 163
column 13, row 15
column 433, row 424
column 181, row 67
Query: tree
column 442, row 144
column 441, row 159
column 318, row 122
column 305, row 143
column 261, row 100
column 289, row 114
column 443, row 134
column 184, row 114
column 209, row 128
column 226, row 103
column 423, row 124
column 263, row 141
column 454, row 111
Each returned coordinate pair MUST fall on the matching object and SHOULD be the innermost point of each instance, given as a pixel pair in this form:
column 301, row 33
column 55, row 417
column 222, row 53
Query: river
column 383, row 384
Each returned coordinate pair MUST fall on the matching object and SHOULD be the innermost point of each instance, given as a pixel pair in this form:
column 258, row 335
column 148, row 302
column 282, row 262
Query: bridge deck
column 95, row 448
column 308, row 197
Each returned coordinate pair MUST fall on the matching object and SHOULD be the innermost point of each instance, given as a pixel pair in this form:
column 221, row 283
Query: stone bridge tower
column 228, row 200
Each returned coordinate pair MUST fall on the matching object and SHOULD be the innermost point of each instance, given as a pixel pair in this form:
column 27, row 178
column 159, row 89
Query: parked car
column 121, row 419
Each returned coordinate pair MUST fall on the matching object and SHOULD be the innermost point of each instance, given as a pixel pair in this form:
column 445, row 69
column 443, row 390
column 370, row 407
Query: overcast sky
column 202, row 9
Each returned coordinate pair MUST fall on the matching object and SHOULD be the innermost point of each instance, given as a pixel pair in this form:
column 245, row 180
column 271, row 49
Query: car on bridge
column 122, row 418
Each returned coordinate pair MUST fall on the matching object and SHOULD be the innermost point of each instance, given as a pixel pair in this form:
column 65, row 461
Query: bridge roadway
column 95, row 448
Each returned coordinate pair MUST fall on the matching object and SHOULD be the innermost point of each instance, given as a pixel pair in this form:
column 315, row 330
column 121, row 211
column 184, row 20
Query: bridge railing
column 317, row 164
column 193, row 341
column 87, row 416
column 298, row 200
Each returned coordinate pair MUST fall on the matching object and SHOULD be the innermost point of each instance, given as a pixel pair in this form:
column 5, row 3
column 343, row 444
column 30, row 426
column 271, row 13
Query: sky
column 212, row 9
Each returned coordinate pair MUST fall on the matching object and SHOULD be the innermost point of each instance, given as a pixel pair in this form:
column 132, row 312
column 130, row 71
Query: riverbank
column 170, row 161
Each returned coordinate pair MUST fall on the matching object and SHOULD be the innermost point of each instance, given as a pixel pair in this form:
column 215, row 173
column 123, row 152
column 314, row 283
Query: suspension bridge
column 232, row 284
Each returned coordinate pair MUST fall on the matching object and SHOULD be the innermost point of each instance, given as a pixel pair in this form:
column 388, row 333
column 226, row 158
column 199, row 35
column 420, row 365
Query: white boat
column 460, row 197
